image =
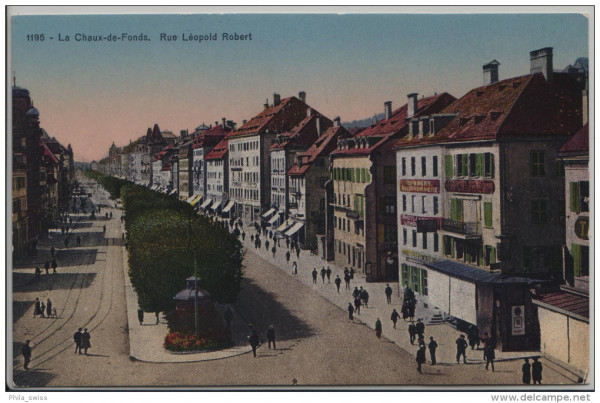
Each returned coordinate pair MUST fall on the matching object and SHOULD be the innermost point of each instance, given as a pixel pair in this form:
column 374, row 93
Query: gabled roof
column 212, row 136
column 276, row 119
column 163, row 152
column 579, row 143
column 303, row 134
column 567, row 301
column 323, row 146
column 220, row 150
column 519, row 106
column 397, row 125
column 47, row 154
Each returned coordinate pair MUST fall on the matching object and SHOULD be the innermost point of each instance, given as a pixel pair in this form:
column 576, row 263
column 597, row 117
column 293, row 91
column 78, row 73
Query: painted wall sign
column 411, row 221
column 582, row 226
column 470, row 186
column 420, row 186
column 518, row 320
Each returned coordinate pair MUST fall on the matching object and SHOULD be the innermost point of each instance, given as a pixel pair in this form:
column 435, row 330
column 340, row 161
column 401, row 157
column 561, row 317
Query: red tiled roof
column 48, row 154
column 304, row 133
column 162, row 153
column 212, row 136
column 519, row 106
column 276, row 119
column 324, row 145
column 220, row 150
column 575, row 303
column 397, row 125
column 580, row 142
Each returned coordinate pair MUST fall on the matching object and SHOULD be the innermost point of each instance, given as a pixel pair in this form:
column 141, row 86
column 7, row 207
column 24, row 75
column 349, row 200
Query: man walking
column 26, row 351
column 49, row 308
column 47, row 267
column 412, row 332
column 364, row 296
column 295, row 268
column 420, row 328
column 323, row 272
column 526, row 369
column 287, row 254
column 394, row 317
column 338, row 282
column 490, row 355
column 432, row 347
column 271, row 337
column 328, row 272
column 37, row 310
column 54, row 266
column 347, row 280
column 141, row 316
column 536, row 371
column 314, row 275
column 77, row 340
column 421, row 357
column 85, row 341
column 388, row 294
column 461, row 349
column 378, row 328
column 350, row 311
column 254, row 341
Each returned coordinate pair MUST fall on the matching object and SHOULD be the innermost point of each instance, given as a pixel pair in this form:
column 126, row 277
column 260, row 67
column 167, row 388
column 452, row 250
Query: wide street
column 317, row 345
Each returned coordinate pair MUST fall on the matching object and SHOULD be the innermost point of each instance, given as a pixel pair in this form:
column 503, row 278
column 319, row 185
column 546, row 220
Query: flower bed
column 180, row 342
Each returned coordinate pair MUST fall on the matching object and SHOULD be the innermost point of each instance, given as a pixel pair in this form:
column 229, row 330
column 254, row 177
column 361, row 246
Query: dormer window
column 432, row 126
column 479, row 118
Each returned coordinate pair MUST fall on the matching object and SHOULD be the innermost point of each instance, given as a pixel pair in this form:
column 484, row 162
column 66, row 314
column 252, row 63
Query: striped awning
column 196, row 199
column 229, row 206
column 295, row 228
column 268, row 213
column 274, row 219
column 206, row 203
column 216, row 204
column 288, row 223
column 191, row 198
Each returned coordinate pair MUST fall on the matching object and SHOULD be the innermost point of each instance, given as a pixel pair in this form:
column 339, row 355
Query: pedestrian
column 432, row 347
column 412, row 332
column 346, row 271
column 411, row 310
column 49, row 308
column 472, row 337
column 47, row 266
column 106, row 215
column 394, row 317
column 287, row 242
column 490, row 355
column 328, row 271
column 78, row 241
column 251, row 237
column 404, row 311
column 323, row 272
column 54, row 266
column 54, row 314
column 526, row 369
column 43, row 310
column 274, row 250
column 298, row 252
column 421, row 357
column 420, row 327
column 62, row 230
column 37, row 310
column 352, row 273
column 254, row 341
column 338, row 282
column 243, row 236
column 357, row 305
column 141, row 316
column 294, row 268
column 356, row 292
column 461, row 349
column 364, row 296
column 111, row 212
column 314, row 275
column 378, row 328
column 388, row 294
column 271, row 337
column 267, row 245
column 85, row 341
column 347, row 280
column 485, row 339
column 536, row 371
column 228, row 316
column 77, row 340
column 350, row 311
column 26, row 351
column 287, row 256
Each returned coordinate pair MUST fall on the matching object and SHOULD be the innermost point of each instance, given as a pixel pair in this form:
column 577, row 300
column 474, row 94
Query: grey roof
column 474, row 275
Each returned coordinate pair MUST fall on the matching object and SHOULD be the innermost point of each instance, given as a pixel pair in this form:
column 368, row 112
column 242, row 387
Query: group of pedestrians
column 46, row 310
column 254, row 339
column 82, row 341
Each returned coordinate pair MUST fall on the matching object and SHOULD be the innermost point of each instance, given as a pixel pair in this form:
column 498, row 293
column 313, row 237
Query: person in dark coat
column 461, row 349
column 404, row 311
column 412, row 332
column 43, row 310
column 485, row 339
column 267, row 245
column 356, row 292
column 323, row 272
column 526, row 369
column 295, row 268
column 432, row 347
column 350, row 311
column 364, row 296
column 141, row 316
column 49, row 308
column 271, row 337
column 26, row 351
column 338, row 283
column 351, row 273
column 394, row 317
column 298, row 252
column 274, row 250
column 77, row 340
column 251, row 237
column 243, row 236
column 357, row 305
column 104, row 228
column 472, row 336
column 411, row 310
column 314, row 275
column 421, row 357
column 328, row 272
column 228, row 316
column 420, row 327
column 490, row 356
column 54, row 266
column 85, row 341
column 378, row 328
column 536, row 371
column 347, row 280
column 37, row 310
column 287, row 242
column 287, row 255
column 47, row 267
column 388, row 294
column 254, row 341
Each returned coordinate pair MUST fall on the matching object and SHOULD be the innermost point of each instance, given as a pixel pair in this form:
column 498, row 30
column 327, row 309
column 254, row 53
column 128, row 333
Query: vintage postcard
column 300, row 199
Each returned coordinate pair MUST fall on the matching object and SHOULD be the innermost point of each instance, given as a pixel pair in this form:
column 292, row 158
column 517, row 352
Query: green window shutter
column 445, row 245
column 492, row 255
column 576, row 254
column 479, row 163
column 352, row 179
column 574, row 196
column 453, row 209
column 357, row 175
column 459, row 210
column 448, row 166
column 362, row 175
column 526, row 258
column 465, row 164
column 368, row 175
column 335, row 174
column 487, row 207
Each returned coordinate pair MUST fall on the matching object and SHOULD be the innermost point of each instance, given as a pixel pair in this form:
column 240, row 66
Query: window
column 473, row 164
column 412, row 199
column 413, row 166
column 448, row 166
column 390, row 233
column 344, row 224
column 436, row 208
column 424, row 240
column 423, row 204
column 403, row 202
column 581, row 260
column 537, row 163
column 436, row 242
column 487, row 213
column 435, row 165
column 490, row 255
column 423, row 166
column 462, row 165
column 456, row 210
column 389, row 175
column 404, row 236
column 387, row 205
column 403, row 166
column 538, row 211
column 414, row 238
column 579, row 193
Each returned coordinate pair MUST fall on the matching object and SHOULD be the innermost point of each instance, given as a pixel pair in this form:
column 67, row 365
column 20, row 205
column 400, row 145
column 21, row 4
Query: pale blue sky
column 91, row 94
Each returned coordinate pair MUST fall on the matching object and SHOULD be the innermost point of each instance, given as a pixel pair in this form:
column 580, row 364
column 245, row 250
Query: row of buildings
column 472, row 202
column 42, row 176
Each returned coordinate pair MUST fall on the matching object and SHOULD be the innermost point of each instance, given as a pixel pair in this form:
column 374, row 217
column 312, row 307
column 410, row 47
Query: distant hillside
column 364, row 122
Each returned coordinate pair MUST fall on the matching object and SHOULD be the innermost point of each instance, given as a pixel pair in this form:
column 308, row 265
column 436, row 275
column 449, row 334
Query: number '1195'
column 35, row 37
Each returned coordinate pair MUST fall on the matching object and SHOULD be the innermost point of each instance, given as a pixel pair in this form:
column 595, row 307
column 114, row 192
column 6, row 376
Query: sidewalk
column 444, row 334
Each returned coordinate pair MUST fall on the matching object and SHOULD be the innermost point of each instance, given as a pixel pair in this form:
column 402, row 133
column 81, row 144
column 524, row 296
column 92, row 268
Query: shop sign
column 420, row 186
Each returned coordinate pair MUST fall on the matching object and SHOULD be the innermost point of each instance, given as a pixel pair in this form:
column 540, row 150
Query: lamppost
column 390, row 261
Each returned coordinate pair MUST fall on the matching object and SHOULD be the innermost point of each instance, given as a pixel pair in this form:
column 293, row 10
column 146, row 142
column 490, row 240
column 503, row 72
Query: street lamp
column 390, row 261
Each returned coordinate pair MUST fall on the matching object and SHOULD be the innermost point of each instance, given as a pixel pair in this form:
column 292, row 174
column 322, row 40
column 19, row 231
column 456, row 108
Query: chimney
column 336, row 121
column 412, row 104
column 224, row 122
column 267, row 103
column 318, row 124
column 541, row 62
column 244, row 121
column 387, row 106
column 302, row 96
column 276, row 99
column 490, row 72
column 308, row 112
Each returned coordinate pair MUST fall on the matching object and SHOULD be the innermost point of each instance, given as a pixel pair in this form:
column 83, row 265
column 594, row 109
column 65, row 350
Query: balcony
column 352, row 214
column 468, row 230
